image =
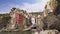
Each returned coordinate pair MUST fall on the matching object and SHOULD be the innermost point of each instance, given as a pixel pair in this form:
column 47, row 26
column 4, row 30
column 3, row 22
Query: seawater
column 25, row 32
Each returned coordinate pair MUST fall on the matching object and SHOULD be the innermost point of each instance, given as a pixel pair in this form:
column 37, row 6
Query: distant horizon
column 28, row 5
column 26, row 11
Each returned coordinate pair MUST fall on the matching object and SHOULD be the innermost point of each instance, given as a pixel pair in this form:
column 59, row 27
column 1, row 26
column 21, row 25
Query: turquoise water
column 25, row 32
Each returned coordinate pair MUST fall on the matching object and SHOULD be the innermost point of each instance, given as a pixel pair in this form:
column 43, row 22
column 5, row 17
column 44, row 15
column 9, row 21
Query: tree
column 58, row 16
column 4, row 20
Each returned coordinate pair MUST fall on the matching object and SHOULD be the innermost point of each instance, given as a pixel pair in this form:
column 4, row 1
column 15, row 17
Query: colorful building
column 17, row 17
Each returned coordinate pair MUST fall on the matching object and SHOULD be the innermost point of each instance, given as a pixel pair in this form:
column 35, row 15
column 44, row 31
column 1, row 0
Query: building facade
column 17, row 17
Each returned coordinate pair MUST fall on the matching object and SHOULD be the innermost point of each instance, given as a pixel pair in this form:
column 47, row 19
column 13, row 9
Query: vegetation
column 52, row 22
column 4, row 20
column 58, row 16
column 57, row 10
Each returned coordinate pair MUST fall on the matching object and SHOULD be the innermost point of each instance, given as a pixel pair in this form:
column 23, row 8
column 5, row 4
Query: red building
column 19, row 18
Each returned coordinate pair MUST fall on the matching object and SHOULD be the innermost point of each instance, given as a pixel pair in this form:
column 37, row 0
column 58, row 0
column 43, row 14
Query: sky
column 28, row 5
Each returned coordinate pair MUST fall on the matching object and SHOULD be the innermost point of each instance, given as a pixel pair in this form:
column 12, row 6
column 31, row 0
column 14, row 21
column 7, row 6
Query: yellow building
column 51, row 5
